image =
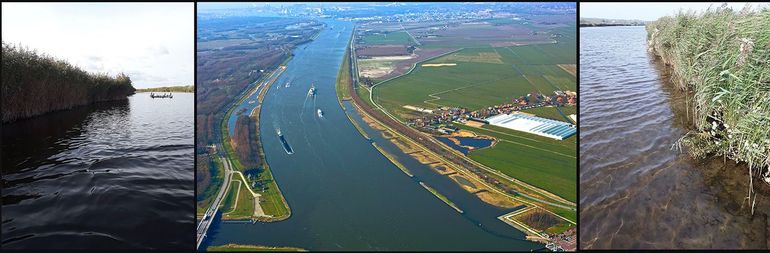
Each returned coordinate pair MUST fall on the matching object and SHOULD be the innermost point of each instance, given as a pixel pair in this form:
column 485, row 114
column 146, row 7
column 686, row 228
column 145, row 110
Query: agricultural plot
column 391, row 38
column 378, row 67
column 542, row 162
column 480, row 77
column 551, row 112
column 479, row 34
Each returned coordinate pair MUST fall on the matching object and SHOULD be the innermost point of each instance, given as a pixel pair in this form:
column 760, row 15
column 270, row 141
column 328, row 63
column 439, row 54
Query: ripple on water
column 110, row 175
column 635, row 191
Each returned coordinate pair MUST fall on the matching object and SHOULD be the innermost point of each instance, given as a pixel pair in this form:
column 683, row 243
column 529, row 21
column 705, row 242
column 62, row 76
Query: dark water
column 345, row 195
column 465, row 142
column 635, row 191
column 109, row 175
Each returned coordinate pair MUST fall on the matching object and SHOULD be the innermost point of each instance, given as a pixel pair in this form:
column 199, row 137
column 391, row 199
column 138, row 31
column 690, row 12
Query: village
column 434, row 121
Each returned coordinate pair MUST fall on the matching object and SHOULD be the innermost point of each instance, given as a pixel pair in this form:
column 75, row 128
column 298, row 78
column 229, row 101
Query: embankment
column 722, row 58
column 34, row 84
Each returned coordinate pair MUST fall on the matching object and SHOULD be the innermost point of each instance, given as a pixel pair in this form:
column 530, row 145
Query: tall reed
column 33, row 84
column 722, row 57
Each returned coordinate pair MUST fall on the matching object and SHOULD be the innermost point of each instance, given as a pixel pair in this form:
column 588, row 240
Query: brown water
column 635, row 191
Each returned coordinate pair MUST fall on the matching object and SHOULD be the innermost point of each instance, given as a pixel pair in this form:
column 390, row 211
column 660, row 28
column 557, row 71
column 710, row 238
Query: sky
column 153, row 43
column 647, row 11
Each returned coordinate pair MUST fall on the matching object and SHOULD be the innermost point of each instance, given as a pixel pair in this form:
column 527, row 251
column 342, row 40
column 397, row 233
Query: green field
column 551, row 112
column 482, row 77
column 272, row 200
column 400, row 38
column 545, row 163
column 245, row 207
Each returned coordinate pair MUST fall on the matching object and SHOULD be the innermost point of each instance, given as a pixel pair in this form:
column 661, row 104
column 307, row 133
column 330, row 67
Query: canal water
column 109, row 175
column 345, row 195
column 635, row 191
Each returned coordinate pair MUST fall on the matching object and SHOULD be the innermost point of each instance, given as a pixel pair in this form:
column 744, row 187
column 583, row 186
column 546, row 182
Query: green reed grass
column 722, row 57
column 34, row 84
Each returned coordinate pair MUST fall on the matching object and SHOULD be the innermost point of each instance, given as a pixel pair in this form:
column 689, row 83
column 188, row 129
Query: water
column 344, row 195
column 109, row 175
column 635, row 191
column 466, row 142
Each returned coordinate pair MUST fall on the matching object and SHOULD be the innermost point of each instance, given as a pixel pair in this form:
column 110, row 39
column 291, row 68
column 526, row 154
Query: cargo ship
column 286, row 146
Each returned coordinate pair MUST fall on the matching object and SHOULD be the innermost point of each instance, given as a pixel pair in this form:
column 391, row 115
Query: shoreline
column 266, row 168
column 250, row 247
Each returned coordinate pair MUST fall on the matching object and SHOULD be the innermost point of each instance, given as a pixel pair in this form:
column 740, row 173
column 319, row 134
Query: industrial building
column 535, row 125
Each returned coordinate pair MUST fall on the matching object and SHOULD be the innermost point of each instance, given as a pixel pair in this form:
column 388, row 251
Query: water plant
column 722, row 58
column 34, row 83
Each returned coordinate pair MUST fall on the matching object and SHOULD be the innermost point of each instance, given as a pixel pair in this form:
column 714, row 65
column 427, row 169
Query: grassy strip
column 248, row 248
column 343, row 78
column 441, row 197
column 393, row 160
column 188, row 88
column 723, row 58
column 272, row 201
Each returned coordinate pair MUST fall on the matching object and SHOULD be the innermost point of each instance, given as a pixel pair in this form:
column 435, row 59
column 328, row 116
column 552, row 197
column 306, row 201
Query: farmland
column 480, row 77
column 486, row 62
column 542, row 162
column 399, row 37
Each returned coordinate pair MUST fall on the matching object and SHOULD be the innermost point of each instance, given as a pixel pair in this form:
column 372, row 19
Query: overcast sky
column 646, row 11
column 152, row 43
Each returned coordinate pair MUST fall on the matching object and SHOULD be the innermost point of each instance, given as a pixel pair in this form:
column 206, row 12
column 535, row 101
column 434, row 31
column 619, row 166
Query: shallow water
column 635, row 191
column 466, row 142
column 109, row 175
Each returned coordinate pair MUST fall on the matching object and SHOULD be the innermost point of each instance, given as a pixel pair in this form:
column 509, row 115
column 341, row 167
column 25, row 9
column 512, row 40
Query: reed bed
column 722, row 58
column 33, row 84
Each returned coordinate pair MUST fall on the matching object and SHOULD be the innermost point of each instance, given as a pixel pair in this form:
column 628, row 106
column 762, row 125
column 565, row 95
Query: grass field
column 542, row 162
column 482, row 77
column 394, row 38
column 551, row 112
column 272, row 200
column 245, row 207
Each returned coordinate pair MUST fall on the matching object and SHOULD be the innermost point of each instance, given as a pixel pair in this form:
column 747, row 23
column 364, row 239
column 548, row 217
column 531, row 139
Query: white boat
column 311, row 92
column 320, row 113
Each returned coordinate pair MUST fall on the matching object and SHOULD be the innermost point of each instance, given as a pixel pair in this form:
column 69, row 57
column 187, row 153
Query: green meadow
column 545, row 163
column 391, row 38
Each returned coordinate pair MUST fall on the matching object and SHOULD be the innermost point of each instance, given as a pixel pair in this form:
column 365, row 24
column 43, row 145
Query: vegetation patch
column 722, row 57
column 388, row 38
column 248, row 248
column 187, row 88
column 34, row 84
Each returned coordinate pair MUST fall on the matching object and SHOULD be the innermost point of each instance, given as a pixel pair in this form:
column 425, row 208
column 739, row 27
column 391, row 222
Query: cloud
column 94, row 58
column 158, row 50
